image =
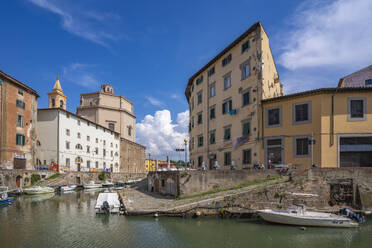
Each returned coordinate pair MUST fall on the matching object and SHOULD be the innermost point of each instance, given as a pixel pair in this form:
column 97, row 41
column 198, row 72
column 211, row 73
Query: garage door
column 356, row 151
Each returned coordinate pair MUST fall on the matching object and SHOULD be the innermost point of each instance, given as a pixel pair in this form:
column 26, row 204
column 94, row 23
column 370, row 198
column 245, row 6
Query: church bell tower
column 56, row 98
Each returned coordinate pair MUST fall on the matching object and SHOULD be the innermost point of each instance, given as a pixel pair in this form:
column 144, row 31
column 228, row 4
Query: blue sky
column 148, row 49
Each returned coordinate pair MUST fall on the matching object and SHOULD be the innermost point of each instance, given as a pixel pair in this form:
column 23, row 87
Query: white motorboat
column 67, row 188
column 299, row 216
column 107, row 184
column 107, row 202
column 92, row 185
column 4, row 198
column 37, row 190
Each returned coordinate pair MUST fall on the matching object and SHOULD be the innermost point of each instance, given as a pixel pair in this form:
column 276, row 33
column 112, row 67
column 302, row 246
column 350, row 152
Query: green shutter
column 23, row 140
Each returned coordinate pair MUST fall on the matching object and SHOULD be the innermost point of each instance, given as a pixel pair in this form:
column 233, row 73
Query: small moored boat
column 92, row 185
column 5, row 200
column 37, row 190
column 107, row 202
column 66, row 188
column 299, row 216
column 108, row 184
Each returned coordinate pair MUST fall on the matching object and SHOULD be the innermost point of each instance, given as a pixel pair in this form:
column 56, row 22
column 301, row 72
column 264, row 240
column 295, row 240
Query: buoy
column 156, row 215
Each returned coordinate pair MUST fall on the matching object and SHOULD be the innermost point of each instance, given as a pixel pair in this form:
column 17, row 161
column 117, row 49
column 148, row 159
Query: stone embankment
column 319, row 189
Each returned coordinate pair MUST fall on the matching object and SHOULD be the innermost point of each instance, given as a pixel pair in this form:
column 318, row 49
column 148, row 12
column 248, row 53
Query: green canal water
column 69, row 221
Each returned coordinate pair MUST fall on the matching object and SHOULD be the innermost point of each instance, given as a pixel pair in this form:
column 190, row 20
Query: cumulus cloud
column 80, row 74
column 90, row 25
column 161, row 135
column 329, row 33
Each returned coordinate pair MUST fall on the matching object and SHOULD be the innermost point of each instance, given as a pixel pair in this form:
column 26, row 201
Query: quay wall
column 181, row 183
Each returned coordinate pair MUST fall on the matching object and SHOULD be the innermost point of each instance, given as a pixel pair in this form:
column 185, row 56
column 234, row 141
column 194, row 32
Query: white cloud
column 335, row 34
column 161, row 135
column 80, row 74
column 89, row 25
column 154, row 101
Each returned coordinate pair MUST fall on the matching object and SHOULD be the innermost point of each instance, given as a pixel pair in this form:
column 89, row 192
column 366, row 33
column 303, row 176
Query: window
column 227, row 158
column 246, row 128
column 227, row 133
column 273, row 116
column 53, row 103
column 61, row 103
column 356, row 109
column 212, row 113
column 200, row 140
column 79, row 147
column 112, row 153
column 111, row 145
column 88, row 138
column 246, row 70
column 226, row 60
column 20, row 104
column 68, row 132
column 200, row 118
column 199, row 80
column 88, row 149
column 96, row 151
column 302, row 113
column 111, row 126
column 129, row 130
column 246, row 98
column 212, row 90
column 104, row 142
column 19, row 120
column 247, row 156
column 200, row 161
column 78, row 122
column 302, row 146
column 227, row 81
column 211, row 71
column 192, row 103
column 96, row 140
column 192, row 121
column 88, row 164
column 96, row 164
column 67, row 162
column 67, row 145
column 104, row 152
column 20, row 139
column 192, row 143
column 212, row 137
column 226, row 106
column 200, row 97
column 368, row 82
column 78, row 135
column 245, row 46
column 20, row 92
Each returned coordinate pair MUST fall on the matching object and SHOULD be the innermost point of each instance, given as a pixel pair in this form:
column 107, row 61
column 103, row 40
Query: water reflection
column 69, row 220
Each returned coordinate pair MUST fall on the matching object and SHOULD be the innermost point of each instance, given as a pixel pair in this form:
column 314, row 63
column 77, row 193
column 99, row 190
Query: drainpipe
column 58, row 136
column 207, row 136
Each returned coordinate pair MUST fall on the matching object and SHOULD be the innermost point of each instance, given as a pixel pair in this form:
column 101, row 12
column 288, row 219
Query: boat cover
column 111, row 198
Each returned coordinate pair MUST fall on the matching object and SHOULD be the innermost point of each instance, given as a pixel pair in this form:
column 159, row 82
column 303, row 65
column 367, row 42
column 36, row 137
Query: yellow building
column 224, row 99
column 57, row 99
column 330, row 127
column 150, row 164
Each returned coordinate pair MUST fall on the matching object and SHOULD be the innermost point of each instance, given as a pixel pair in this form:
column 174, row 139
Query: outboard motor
column 352, row 215
column 105, row 207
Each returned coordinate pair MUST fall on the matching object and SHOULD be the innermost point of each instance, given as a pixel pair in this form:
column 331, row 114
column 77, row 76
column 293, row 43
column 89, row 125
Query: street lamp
column 185, row 140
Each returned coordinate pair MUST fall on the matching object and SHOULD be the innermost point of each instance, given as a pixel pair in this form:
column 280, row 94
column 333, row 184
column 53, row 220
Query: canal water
column 69, row 220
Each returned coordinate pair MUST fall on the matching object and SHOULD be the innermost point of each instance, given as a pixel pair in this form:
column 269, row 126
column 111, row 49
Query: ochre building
column 224, row 98
column 18, row 115
column 329, row 127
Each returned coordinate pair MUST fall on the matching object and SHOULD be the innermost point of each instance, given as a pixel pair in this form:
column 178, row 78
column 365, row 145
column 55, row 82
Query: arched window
column 61, row 103
column 53, row 103
column 78, row 146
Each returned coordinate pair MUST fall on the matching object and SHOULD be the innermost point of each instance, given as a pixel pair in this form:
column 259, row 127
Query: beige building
column 116, row 113
column 109, row 110
column 224, row 100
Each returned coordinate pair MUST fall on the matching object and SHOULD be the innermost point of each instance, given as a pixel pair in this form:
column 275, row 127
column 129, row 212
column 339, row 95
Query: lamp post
column 185, row 140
